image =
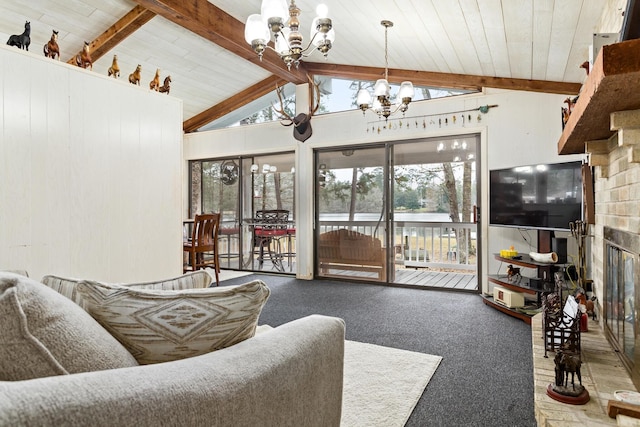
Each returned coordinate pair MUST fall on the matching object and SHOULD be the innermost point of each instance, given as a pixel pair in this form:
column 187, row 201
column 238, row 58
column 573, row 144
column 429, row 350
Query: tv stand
column 532, row 290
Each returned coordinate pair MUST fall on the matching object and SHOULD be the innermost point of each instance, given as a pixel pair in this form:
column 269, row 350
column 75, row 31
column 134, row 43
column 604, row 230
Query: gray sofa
column 288, row 376
column 167, row 353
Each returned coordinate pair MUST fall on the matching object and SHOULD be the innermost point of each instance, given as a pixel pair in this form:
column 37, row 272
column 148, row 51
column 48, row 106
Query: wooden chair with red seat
column 202, row 247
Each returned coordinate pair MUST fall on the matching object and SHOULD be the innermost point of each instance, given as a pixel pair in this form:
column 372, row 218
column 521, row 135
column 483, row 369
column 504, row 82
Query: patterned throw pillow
column 192, row 280
column 44, row 334
column 160, row 326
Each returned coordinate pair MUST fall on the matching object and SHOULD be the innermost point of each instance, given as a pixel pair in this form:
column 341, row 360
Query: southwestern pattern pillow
column 195, row 279
column 160, row 326
column 44, row 334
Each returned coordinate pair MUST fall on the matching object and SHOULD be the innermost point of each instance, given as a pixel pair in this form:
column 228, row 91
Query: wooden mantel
column 612, row 85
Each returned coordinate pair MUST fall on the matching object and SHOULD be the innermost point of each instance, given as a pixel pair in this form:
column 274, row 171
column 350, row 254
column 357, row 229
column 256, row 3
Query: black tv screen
column 545, row 196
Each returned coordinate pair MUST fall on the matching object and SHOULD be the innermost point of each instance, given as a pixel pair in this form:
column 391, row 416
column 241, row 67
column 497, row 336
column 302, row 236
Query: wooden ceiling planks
column 543, row 21
column 518, row 27
column 427, row 36
column 493, row 24
column 476, row 31
column 119, row 31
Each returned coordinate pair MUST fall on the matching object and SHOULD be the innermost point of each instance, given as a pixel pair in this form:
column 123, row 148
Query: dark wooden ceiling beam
column 133, row 20
column 231, row 104
column 444, row 80
column 217, row 26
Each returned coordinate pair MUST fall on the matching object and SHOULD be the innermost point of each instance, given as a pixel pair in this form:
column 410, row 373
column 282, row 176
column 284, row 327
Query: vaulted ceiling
column 535, row 45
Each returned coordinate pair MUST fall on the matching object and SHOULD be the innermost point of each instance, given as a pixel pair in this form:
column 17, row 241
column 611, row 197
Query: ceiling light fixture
column 381, row 104
column 288, row 39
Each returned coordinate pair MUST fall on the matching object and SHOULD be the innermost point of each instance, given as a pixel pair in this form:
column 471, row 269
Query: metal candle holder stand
column 580, row 230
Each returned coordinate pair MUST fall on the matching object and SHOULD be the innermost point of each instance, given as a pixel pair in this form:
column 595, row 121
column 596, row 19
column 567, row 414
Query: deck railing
column 420, row 243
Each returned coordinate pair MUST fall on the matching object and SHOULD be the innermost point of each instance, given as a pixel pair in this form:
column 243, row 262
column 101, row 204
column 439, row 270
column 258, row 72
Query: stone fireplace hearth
column 616, row 233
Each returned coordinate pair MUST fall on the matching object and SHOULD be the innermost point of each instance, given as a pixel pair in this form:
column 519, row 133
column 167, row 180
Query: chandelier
column 381, row 104
column 288, row 39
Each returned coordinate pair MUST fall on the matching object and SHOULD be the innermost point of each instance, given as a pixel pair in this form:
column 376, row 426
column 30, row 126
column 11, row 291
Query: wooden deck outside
column 422, row 278
column 437, row 279
column 404, row 276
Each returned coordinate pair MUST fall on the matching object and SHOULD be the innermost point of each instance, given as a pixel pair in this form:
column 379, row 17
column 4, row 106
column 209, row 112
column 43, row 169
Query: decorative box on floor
column 507, row 297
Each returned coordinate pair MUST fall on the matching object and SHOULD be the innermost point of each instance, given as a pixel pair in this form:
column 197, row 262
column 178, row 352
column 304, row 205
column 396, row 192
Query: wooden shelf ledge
column 612, row 85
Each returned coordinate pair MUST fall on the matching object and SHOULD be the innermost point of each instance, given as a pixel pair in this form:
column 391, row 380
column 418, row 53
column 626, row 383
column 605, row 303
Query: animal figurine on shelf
column 114, row 70
column 155, row 83
column 166, row 86
column 513, row 274
column 566, row 112
column 83, row 59
column 591, row 307
column 21, row 41
column 51, row 48
column 134, row 78
column 585, row 65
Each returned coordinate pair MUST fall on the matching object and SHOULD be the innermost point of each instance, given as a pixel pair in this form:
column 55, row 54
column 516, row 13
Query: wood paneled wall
column 90, row 173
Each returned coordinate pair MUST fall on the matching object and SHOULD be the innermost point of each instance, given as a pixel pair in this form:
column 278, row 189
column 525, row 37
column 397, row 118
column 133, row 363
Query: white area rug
column 382, row 385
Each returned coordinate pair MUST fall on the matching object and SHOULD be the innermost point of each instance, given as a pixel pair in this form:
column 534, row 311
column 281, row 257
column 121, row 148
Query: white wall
column 90, row 173
column 523, row 129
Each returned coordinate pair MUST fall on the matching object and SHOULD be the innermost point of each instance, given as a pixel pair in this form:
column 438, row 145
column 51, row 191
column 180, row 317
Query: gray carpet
column 486, row 375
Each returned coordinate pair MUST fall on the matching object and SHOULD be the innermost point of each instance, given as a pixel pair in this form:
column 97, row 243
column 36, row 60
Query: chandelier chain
column 386, row 54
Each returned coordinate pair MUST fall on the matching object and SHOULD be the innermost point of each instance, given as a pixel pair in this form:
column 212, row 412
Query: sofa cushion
column 191, row 280
column 19, row 272
column 161, row 326
column 44, row 334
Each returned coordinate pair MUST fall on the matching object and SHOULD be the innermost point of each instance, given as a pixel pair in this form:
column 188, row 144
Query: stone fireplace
column 615, row 243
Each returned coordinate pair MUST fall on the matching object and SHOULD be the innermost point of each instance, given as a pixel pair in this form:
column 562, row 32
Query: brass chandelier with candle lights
column 381, row 102
column 281, row 21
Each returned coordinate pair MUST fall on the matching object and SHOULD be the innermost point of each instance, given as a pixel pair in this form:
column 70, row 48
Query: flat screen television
column 544, row 196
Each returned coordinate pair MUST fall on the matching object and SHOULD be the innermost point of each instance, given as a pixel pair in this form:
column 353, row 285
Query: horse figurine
column 114, row 70
column 134, row 78
column 165, row 86
column 155, row 83
column 565, row 364
column 23, row 40
column 83, row 59
column 51, row 48
column 513, row 274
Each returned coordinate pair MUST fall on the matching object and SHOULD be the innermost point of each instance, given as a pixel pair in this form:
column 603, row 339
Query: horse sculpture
column 302, row 129
column 114, row 70
column 23, row 40
column 565, row 364
column 51, row 48
column 83, row 59
column 165, row 88
column 134, row 78
column 155, row 83
column 513, row 274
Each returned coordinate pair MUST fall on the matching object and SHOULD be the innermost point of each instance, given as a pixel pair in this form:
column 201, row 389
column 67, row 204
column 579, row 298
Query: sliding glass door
column 215, row 187
column 351, row 236
column 268, row 214
column 434, row 185
column 400, row 213
column 255, row 196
